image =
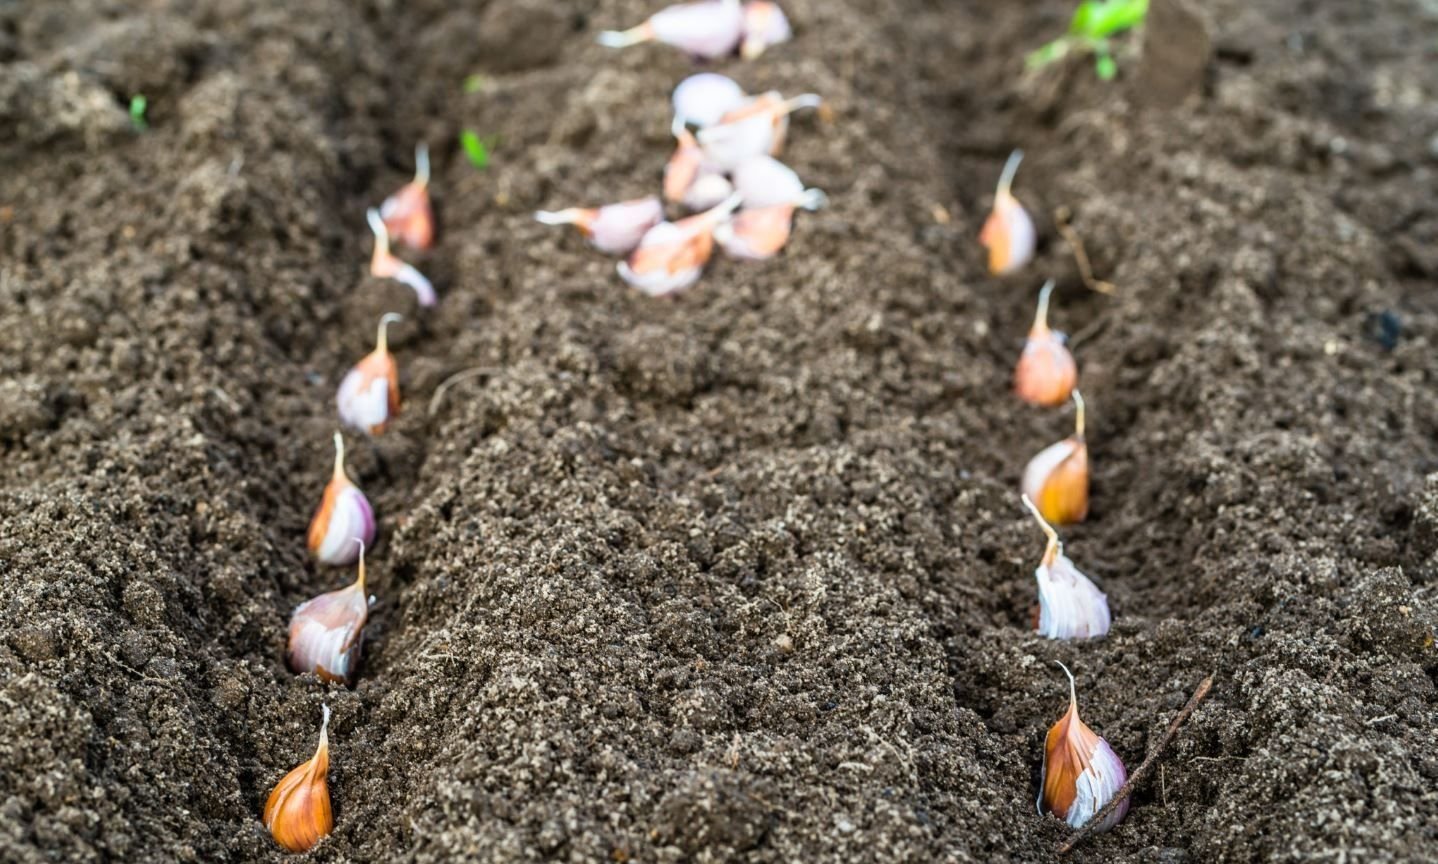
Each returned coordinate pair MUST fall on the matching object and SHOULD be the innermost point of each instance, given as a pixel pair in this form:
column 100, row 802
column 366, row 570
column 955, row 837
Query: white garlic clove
column 369, row 393
column 765, row 24
column 614, row 228
column 706, row 29
column 1070, row 605
column 708, row 190
column 756, row 128
column 326, row 633
column 672, row 255
column 765, row 182
column 704, row 98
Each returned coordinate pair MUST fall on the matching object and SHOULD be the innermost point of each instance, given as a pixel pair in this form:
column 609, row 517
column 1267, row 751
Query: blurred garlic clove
column 408, row 215
column 754, row 129
column 708, row 190
column 703, row 98
column 327, row 632
column 298, row 812
column 369, row 393
column 764, row 25
column 1008, row 233
column 1081, row 772
column 614, row 228
column 385, row 265
column 672, row 255
column 684, row 166
column 1070, row 605
column 758, row 234
column 765, row 182
column 1057, row 479
column 706, row 29
column 1046, row 373
column 343, row 517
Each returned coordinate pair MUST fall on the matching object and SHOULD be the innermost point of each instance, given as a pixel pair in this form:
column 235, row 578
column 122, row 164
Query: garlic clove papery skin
column 704, row 98
column 1081, row 773
column 345, row 515
column 1057, row 481
column 326, row 634
column 765, row 25
column 1070, row 605
column 298, row 812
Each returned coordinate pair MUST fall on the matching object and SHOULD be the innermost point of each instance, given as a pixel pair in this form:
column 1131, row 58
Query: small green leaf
column 1097, row 19
column 475, row 148
column 474, row 83
column 1105, row 66
column 138, row 105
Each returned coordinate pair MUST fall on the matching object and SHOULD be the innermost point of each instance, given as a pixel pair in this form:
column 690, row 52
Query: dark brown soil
column 742, row 575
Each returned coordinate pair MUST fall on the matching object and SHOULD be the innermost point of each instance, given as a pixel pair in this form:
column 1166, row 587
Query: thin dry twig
column 1061, row 222
column 1137, row 777
column 463, row 375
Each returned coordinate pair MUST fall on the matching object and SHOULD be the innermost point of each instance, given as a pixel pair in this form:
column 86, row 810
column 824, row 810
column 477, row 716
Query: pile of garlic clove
column 723, row 173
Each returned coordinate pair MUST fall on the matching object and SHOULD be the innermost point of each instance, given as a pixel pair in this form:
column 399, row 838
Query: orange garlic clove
column 408, row 214
column 672, row 255
column 1008, row 233
column 369, row 394
column 344, row 516
column 1081, row 772
column 1057, row 479
column 298, row 812
column 384, row 265
column 705, row 28
column 1046, row 373
column 684, row 166
column 1070, row 605
column 326, row 633
column 760, row 233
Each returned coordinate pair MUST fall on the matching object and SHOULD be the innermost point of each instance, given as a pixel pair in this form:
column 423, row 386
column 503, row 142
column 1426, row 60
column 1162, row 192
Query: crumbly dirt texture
column 740, row 575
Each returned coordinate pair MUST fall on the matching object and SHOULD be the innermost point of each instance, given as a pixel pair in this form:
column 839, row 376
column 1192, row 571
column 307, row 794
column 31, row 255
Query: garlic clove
column 756, row 234
column 1008, row 233
column 707, row 28
column 704, row 98
column 1070, row 605
column 408, row 214
column 298, row 812
column 707, row 191
column 614, row 228
column 672, row 255
column 368, row 395
column 326, row 632
column 384, row 265
column 344, row 516
column 1081, row 772
column 684, row 166
column 756, row 128
column 1046, row 373
column 765, row 181
column 764, row 25
column 1057, row 479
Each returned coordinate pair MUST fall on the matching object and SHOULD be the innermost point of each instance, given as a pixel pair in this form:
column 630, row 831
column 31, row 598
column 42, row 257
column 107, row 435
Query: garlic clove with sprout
column 672, row 255
column 758, row 234
column 684, row 167
column 298, row 813
column 705, row 28
column 765, row 181
column 369, row 393
column 1070, row 605
column 1046, row 372
column 756, row 128
column 764, row 25
column 703, row 98
column 344, row 516
column 1008, row 233
column 1081, row 772
column 384, row 265
column 614, row 228
column 1057, row 479
column 327, row 632
column 407, row 214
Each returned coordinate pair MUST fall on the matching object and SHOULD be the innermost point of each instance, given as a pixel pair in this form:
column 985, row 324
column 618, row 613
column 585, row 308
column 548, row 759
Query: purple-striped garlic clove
column 765, row 24
column 672, row 255
column 707, row 28
column 702, row 99
column 1081, row 772
column 1070, row 605
column 344, row 516
column 368, row 395
column 327, row 633
column 614, row 228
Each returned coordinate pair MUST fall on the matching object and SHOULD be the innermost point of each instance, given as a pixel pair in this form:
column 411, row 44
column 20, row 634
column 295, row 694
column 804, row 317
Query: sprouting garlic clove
column 759, row 234
column 1008, row 233
column 765, row 182
column 384, row 265
column 672, row 255
column 344, row 516
column 684, row 166
column 298, row 813
column 703, row 98
column 765, row 25
column 614, row 228
column 707, row 29
column 1057, row 479
column 756, row 128
column 1081, row 772
column 1046, row 373
column 369, row 393
column 408, row 214
column 1070, row 605
column 327, row 632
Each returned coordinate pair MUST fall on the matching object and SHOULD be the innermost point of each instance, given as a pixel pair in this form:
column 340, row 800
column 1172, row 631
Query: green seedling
column 474, row 83
column 138, row 105
column 476, row 148
column 1094, row 24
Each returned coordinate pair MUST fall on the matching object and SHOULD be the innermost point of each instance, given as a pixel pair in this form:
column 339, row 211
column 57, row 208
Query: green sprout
column 1094, row 22
column 474, row 83
column 476, row 148
column 138, row 104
